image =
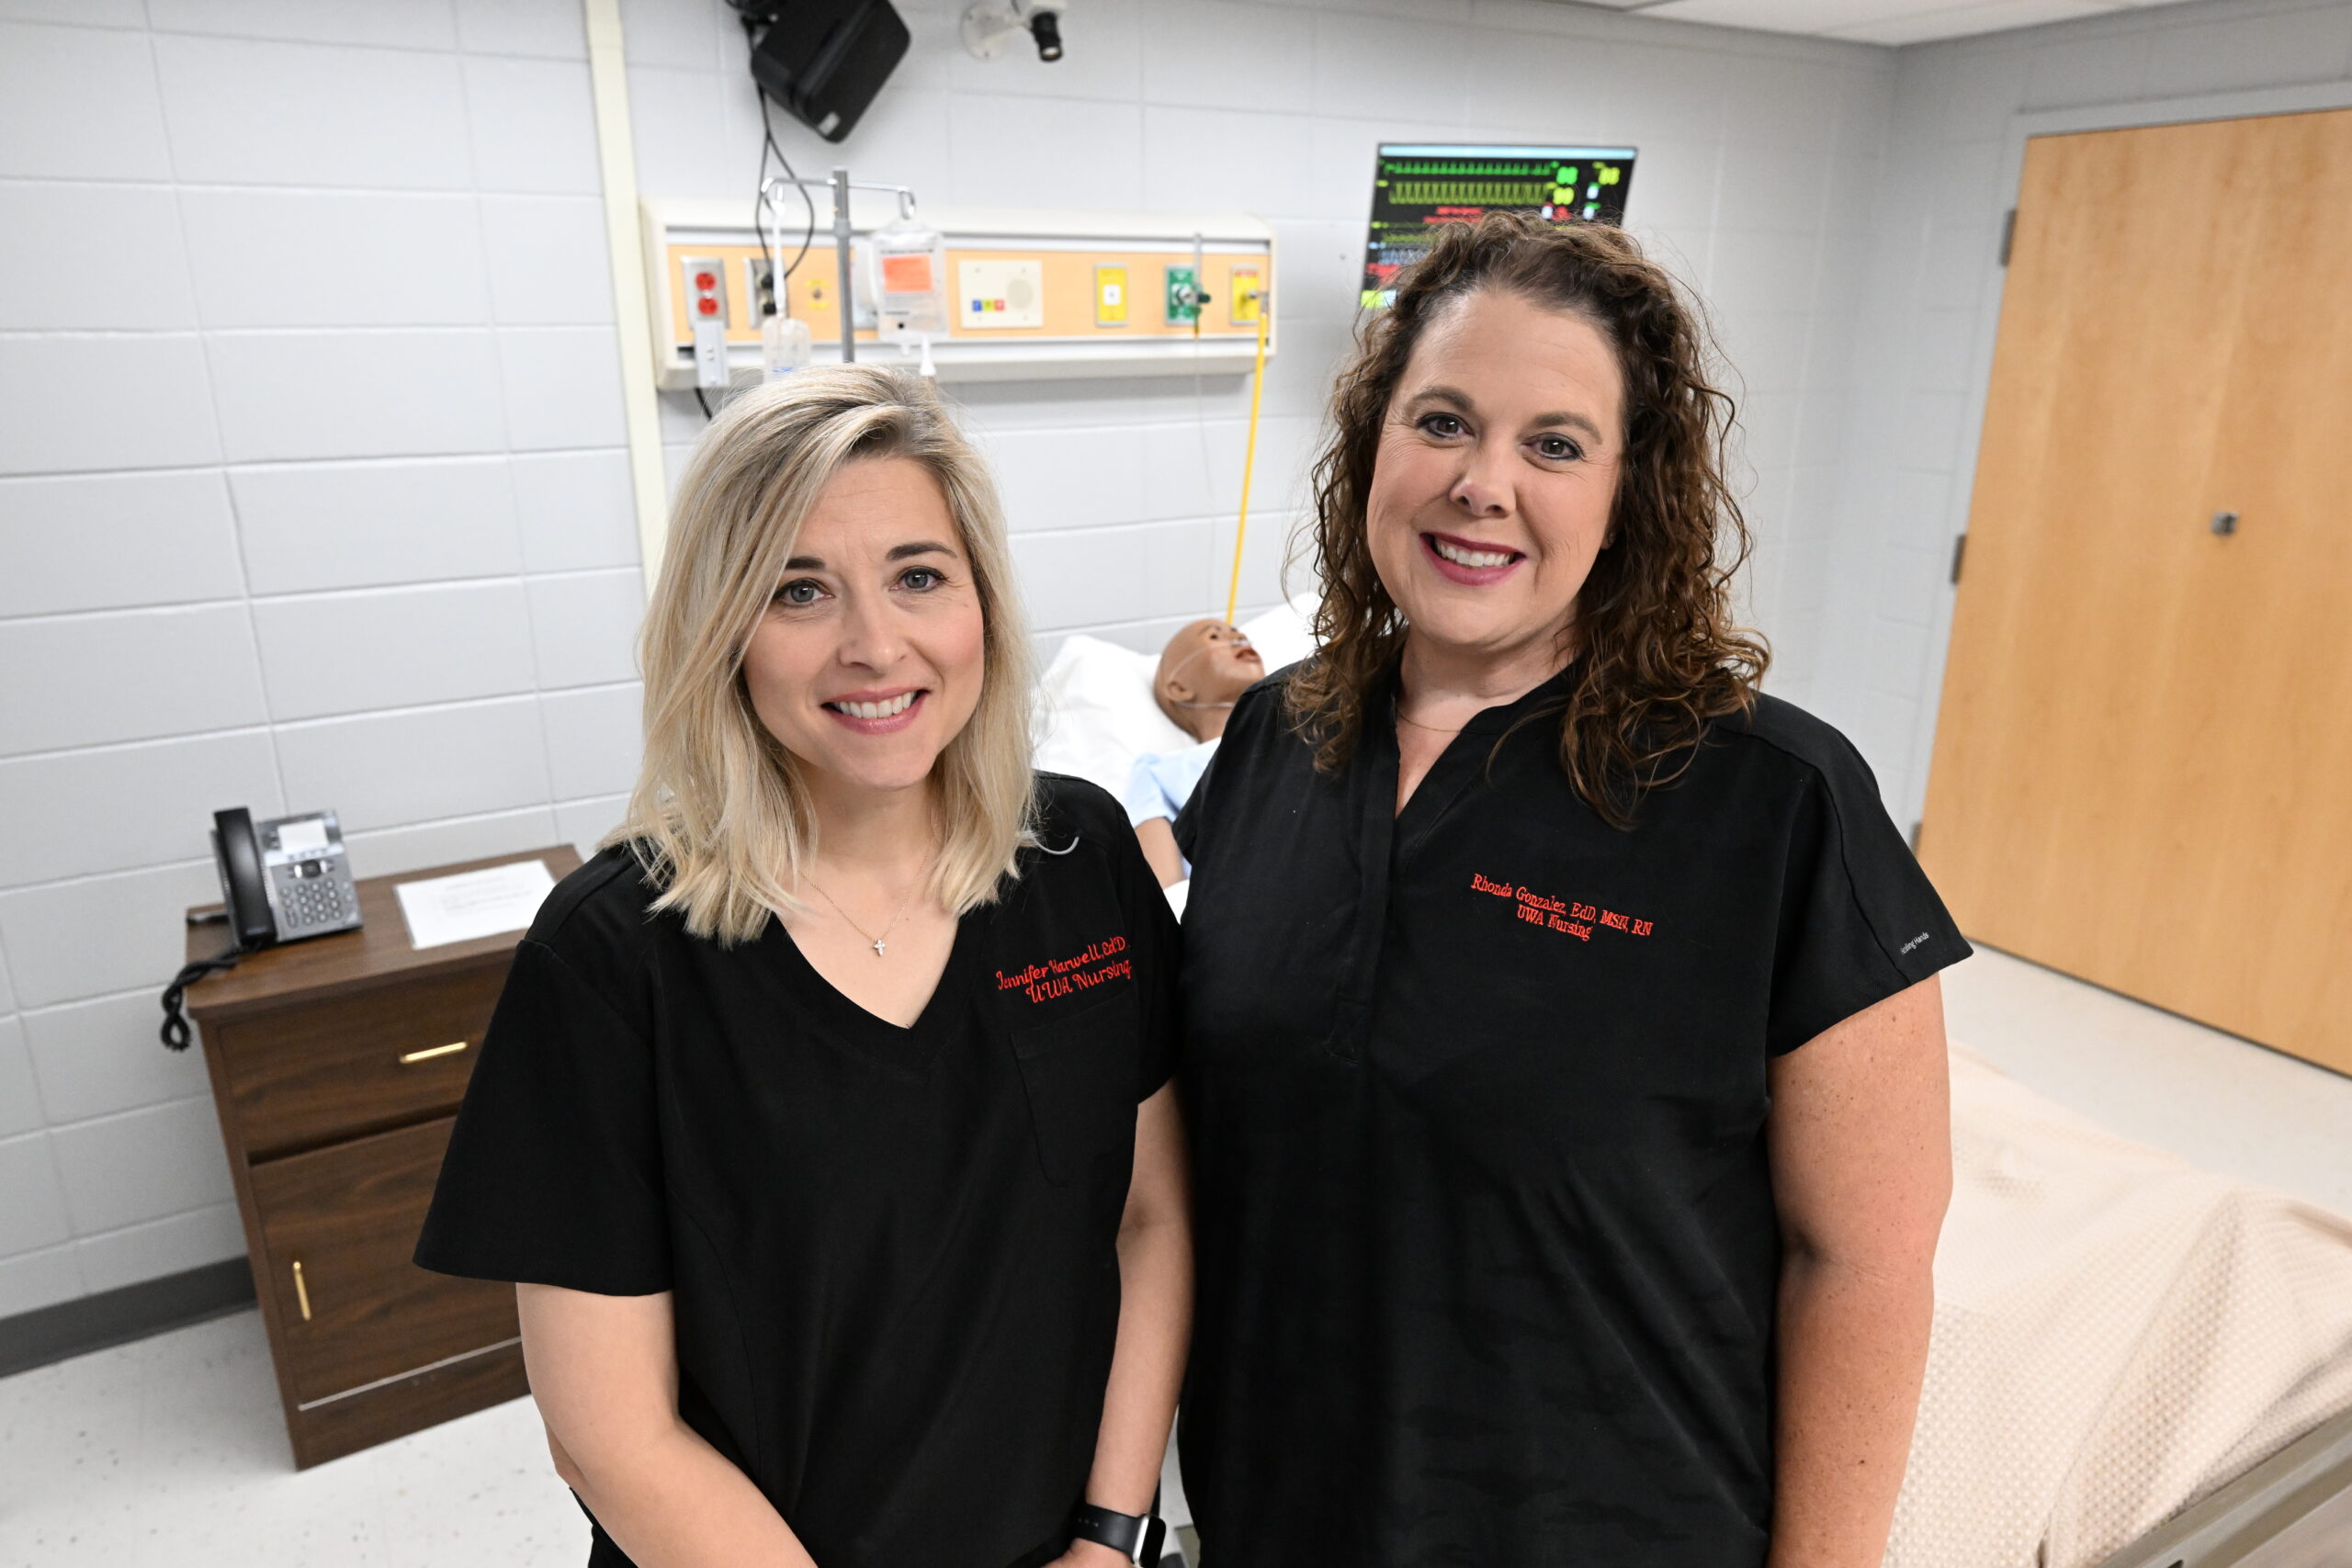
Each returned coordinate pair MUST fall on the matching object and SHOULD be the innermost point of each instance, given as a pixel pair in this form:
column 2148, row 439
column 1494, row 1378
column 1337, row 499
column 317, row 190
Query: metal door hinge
column 2008, row 234
column 1959, row 552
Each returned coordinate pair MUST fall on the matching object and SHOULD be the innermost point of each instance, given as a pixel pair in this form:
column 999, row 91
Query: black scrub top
column 1488, row 1252
column 893, row 1250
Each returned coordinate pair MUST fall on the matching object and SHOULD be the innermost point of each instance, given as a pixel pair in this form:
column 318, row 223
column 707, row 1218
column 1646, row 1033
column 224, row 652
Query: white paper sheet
column 443, row 909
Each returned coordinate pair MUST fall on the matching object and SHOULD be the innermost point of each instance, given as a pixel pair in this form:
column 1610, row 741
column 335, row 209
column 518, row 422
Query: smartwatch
column 1133, row 1535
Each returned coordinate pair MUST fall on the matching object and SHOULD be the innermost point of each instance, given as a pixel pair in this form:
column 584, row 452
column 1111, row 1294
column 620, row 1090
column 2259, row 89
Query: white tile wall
column 20, row 1107
column 388, row 851
column 141, row 1165
column 593, row 740
column 266, row 536
column 276, row 258
column 393, row 648
column 357, row 394
column 382, row 769
column 581, row 624
column 118, row 807
column 107, row 541
column 575, row 510
column 81, row 403
column 129, row 676
column 310, row 527
column 34, row 1215
column 95, row 1058
column 1934, row 297
column 76, row 102
column 245, row 111
column 143, row 285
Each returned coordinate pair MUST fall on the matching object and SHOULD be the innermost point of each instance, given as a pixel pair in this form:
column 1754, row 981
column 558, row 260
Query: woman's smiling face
column 868, row 660
column 1497, row 464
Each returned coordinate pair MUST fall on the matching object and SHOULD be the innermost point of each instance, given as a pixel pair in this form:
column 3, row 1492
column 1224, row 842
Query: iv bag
column 909, row 279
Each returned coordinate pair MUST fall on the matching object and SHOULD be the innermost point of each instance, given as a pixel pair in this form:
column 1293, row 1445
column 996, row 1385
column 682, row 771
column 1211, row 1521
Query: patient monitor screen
column 1416, row 186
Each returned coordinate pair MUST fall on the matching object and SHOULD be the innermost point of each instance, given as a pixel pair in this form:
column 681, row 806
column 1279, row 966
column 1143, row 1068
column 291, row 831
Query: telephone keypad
column 311, row 897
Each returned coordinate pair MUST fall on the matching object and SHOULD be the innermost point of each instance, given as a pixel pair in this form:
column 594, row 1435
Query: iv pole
column 840, row 184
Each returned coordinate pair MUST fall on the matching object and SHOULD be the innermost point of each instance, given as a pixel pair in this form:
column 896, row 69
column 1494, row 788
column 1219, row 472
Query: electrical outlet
column 706, row 284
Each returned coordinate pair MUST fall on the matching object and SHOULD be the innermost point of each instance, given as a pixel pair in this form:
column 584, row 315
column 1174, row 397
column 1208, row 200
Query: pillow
column 1281, row 635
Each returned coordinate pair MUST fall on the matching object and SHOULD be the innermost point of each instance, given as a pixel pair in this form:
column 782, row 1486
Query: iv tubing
column 1249, row 456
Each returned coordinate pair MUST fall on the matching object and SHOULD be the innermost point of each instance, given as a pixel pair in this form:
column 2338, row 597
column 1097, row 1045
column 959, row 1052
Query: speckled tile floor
column 171, row 1451
column 168, row 1453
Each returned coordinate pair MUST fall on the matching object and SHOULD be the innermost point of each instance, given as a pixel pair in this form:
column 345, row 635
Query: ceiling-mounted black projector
column 824, row 60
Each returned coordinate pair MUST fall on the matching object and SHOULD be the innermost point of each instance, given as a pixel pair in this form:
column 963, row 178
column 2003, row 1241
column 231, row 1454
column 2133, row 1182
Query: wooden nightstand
column 337, row 1064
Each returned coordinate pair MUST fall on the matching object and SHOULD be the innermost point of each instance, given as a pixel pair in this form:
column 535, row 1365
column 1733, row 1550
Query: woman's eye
column 800, row 593
column 921, row 578
column 1445, row 425
column 1558, row 448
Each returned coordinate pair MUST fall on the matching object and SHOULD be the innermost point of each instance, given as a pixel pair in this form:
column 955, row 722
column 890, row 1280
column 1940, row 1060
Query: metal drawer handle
column 301, row 1292
column 451, row 1049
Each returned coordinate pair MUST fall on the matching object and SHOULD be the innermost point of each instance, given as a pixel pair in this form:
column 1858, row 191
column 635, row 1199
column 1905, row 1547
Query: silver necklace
column 879, row 942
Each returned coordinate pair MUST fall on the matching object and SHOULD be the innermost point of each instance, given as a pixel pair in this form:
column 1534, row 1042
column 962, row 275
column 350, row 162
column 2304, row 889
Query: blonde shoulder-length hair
column 721, row 817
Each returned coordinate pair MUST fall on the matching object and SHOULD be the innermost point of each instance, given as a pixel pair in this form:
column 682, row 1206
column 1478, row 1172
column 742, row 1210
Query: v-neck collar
column 1383, row 831
column 1462, row 757
column 908, row 1047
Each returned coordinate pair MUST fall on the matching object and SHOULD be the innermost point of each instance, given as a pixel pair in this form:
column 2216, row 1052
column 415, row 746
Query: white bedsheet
column 2117, row 1333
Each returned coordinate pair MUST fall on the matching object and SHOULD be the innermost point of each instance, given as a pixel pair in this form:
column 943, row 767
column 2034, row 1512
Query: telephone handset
column 280, row 880
column 284, row 880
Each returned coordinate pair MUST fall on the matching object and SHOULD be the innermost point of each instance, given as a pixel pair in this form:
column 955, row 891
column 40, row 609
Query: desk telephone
column 280, row 880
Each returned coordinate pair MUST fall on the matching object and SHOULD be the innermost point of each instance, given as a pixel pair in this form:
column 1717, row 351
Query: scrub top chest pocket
column 1080, row 1069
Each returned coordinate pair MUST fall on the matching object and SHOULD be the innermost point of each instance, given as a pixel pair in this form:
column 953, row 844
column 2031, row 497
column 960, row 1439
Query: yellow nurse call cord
column 1250, row 453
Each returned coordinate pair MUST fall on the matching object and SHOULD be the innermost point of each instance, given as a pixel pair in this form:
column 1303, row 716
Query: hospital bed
column 2137, row 1363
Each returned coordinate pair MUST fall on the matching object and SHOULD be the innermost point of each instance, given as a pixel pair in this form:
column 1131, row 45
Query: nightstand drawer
column 305, row 1075
column 338, row 1226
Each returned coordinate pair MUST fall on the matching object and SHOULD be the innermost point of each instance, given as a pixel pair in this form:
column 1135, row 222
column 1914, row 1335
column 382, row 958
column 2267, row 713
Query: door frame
column 2023, row 126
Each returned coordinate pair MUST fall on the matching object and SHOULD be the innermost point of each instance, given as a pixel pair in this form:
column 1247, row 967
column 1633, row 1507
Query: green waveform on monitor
column 1471, row 193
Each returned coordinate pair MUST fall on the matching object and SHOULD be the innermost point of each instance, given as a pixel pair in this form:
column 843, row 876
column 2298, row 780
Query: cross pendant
column 877, row 950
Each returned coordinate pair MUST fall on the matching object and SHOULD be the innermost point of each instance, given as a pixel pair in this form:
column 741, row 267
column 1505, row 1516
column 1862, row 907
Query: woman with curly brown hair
column 1564, row 1052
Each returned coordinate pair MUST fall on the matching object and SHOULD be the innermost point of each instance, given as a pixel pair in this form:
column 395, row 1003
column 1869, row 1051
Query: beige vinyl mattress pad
column 2117, row 1333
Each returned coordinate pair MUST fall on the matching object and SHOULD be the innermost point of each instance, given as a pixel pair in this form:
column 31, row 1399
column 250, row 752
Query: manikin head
column 1203, row 672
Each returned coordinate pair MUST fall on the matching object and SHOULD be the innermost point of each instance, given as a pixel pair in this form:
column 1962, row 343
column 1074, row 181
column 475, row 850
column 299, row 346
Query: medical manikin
column 1203, row 672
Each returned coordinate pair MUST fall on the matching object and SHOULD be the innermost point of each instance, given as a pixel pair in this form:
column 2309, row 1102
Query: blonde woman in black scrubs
column 1564, row 1053
column 808, row 1124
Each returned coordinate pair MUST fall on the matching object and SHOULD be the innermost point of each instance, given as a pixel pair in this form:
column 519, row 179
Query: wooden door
column 2143, row 768
column 357, row 1312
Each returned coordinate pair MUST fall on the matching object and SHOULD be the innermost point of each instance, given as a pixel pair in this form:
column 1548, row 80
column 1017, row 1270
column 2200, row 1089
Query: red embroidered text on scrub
column 1096, row 964
column 1567, row 916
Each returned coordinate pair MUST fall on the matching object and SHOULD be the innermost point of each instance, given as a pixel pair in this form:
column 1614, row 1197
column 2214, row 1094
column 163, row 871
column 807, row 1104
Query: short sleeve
column 554, row 1172
column 1858, row 920
column 1153, row 937
column 1144, row 799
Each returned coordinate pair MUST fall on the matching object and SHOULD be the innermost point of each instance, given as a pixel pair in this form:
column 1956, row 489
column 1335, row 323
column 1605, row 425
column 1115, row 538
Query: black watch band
column 1136, row 1537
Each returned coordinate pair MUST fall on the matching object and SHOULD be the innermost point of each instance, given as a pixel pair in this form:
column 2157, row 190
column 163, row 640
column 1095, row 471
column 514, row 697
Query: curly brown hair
column 1660, row 656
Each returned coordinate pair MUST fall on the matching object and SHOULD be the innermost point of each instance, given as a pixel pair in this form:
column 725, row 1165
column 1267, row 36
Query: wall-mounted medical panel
column 1030, row 295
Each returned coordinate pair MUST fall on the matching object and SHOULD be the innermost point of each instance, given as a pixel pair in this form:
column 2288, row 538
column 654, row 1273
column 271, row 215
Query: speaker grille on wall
column 824, row 60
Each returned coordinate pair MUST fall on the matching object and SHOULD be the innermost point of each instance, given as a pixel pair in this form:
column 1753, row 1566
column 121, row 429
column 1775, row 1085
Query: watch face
column 1154, row 1534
